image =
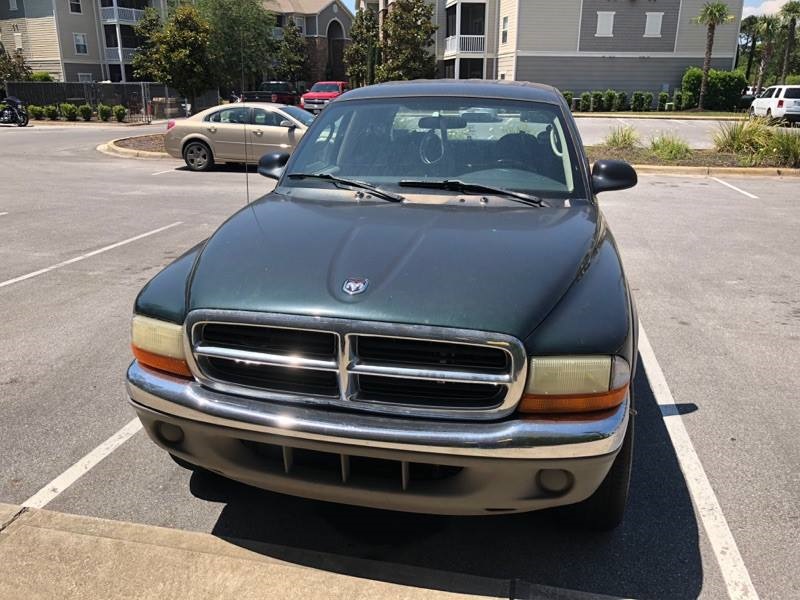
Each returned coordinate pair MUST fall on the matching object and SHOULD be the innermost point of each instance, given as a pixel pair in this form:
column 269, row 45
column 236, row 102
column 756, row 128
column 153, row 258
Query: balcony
column 119, row 14
column 113, row 54
column 466, row 44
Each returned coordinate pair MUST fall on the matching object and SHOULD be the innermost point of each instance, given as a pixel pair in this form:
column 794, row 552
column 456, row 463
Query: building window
column 301, row 24
column 605, row 24
column 504, row 31
column 12, row 4
column 75, row 7
column 17, row 41
column 81, row 43
column 502, row 76
column 652, row 27
column 85, row 78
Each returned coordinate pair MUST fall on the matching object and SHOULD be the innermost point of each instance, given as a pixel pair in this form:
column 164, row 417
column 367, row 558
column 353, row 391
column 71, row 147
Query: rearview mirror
column 288, row 124
column 271, row 165
column 611, row 175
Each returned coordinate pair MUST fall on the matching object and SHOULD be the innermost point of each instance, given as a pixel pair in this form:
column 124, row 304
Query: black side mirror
column 271, row 165
column 611, row 175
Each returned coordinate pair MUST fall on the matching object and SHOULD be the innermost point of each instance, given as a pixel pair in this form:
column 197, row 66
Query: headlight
column 159, row 344
column 569, row 384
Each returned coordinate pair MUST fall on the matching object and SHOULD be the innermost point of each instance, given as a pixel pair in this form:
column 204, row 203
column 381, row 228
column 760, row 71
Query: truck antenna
column 247, row 112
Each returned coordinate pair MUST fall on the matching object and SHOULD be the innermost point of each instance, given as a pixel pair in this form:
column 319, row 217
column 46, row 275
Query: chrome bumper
column 514, row 439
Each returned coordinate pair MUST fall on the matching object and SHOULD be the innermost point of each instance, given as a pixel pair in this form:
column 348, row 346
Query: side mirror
column 271, row 165
column 611, row 175
column 288, row 124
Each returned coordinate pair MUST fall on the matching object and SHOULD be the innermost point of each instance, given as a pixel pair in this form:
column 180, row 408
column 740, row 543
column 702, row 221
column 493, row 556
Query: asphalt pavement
column 715, row 272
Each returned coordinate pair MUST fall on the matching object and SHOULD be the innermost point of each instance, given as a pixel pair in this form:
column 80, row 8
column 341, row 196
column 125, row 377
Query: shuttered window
column 652, row 27
column 605, row 24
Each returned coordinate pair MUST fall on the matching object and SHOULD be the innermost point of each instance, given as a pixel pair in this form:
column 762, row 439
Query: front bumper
column 444, row 467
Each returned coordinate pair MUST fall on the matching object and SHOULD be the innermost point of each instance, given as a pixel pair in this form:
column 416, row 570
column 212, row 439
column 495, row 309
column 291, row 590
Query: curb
column 112, row 149
column 644, row 115
column 717, row 171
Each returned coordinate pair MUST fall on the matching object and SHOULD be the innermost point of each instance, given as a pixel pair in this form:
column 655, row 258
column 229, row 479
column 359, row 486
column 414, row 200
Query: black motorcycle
column 13, row 111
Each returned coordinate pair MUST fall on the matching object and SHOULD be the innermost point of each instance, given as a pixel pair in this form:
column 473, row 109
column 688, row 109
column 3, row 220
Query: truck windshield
column 325, row 87
column 513, row 145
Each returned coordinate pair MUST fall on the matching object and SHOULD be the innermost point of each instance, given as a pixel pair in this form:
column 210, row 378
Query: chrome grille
column 362, row 365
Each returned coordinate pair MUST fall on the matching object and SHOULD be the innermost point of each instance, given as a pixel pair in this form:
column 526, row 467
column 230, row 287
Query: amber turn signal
column 159, row 344
column 175, row 366
column 572, row 403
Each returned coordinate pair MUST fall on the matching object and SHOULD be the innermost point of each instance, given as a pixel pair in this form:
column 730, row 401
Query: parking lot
column 716, row 273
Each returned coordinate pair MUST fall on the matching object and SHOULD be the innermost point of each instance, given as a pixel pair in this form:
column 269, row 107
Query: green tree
column 408, row 33
column 360, row 55
column 711, row 15
column 178, row 54
column 292, row 59
column 13, row 67
column 790, row 13
column 240, row 45
column 748, row 37
column 768, row 29
column 146, row 28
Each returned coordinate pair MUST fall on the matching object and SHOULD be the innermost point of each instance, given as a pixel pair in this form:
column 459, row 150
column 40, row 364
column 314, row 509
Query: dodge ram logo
column 355, row 285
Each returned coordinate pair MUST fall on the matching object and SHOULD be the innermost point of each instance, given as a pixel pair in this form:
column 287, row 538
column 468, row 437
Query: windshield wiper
column 456, row 185
column 362, row 185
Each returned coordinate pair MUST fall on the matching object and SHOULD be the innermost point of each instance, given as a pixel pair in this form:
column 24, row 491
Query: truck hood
column 321, row 95
column 499, row 269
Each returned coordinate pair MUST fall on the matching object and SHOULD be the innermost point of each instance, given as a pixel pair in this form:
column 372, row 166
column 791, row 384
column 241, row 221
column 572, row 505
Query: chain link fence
column 145, row 101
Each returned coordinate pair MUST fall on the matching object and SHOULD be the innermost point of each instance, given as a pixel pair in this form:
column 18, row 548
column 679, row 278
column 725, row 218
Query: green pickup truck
column 427, row 314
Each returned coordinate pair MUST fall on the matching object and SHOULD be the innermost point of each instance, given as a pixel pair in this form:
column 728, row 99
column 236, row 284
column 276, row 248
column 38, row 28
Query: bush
column 677, row 99
column 104, row 112
column 597, row 101
column 41, row 76
column 670, row 147
column 724, row 87
column 782, row 148
column 51, row 112
column 69, row 111
column 120, row 112
column 663, row 98
column 86, row 112
column 689, row 101
column 610, row 100
column 36, row 112
column 637, row 102
column 793, row 80
column 742, row 137
column 621, row 101
column 622, row 138
column 568, row 98
column 648, row 101
column 586, row 101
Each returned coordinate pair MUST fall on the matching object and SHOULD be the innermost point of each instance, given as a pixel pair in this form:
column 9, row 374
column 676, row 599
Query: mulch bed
column 148, row 143
column 643, row 156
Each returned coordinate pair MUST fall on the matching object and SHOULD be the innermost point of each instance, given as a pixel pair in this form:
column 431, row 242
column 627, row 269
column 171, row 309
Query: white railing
column 118, row 14
column 465, row 43
column 112, row 54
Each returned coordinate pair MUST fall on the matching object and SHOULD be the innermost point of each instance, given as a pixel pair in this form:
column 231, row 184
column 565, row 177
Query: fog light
column 555, row 481
column 172, row 434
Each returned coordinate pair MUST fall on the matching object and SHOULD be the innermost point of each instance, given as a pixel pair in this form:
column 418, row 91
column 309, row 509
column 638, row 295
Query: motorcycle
column 14, row 111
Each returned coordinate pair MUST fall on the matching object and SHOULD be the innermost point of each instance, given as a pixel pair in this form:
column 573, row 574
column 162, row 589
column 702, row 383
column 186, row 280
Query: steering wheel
column 431, row 148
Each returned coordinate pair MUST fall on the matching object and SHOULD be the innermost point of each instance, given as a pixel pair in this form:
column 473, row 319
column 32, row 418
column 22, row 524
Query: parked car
column 321, row 93
column 778, row 102
column 240, row 132
column 277, row 92
column 414, row 319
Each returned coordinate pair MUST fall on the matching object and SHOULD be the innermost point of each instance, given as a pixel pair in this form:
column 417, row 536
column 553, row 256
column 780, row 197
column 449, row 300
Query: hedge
column 724, row 88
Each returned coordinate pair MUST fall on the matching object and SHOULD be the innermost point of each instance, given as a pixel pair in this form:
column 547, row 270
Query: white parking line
column 87, row 255
column 3, row 214
column 734, row 571
column 45, row 495
column 162, row 172
column 733, row 187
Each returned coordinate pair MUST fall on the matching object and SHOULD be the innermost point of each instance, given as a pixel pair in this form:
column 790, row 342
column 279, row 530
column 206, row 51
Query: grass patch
column 759, row 144
column 622, row 138
column 670, row 147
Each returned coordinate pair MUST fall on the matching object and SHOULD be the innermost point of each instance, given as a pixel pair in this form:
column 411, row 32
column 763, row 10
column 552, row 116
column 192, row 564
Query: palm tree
column 790, row 13
column 711, row 15
column 768, row 28
column 749, row 37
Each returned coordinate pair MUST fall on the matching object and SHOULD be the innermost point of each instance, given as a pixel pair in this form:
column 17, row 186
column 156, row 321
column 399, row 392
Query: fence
column 144, row 100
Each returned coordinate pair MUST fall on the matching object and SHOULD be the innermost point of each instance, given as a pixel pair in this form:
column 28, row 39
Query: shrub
column 597, row 101
column 69, row 111
column 41, row 76
column 86, row 112
column 104, row 112
column 742, row 137
column 648, row 101
column 120, row 112
column 568, row 98
column 637, row 103
column 677, row 99
column 670, row 147
column 663, row 98
column 610, row 100
column 621, row 101
column 37, row 112
column 724, row 87
column 586, row 101
column 782, row 148
column 622, row 138
column 51, row 112
column 793, row 80
column 688, row 101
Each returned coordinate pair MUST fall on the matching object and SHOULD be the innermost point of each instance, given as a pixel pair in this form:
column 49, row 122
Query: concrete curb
column 651, row 115
column 49, row 123
column 112, row 149
column 717, row 171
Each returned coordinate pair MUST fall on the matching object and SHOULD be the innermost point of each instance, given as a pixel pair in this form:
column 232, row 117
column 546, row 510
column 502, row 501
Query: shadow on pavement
column 653, row 554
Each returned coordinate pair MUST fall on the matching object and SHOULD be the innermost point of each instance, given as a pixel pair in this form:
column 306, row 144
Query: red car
column 321, row 93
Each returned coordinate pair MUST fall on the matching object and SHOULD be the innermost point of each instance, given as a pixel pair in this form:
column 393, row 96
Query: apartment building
column 75, row 40
column 576, row 45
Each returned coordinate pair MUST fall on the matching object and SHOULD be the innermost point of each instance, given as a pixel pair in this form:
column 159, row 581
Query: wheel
column 24, row 121
column 603, row 510
column 198, row 156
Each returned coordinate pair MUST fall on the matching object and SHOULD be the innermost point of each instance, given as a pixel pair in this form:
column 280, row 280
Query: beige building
column 75, row 40
column 576, row 45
